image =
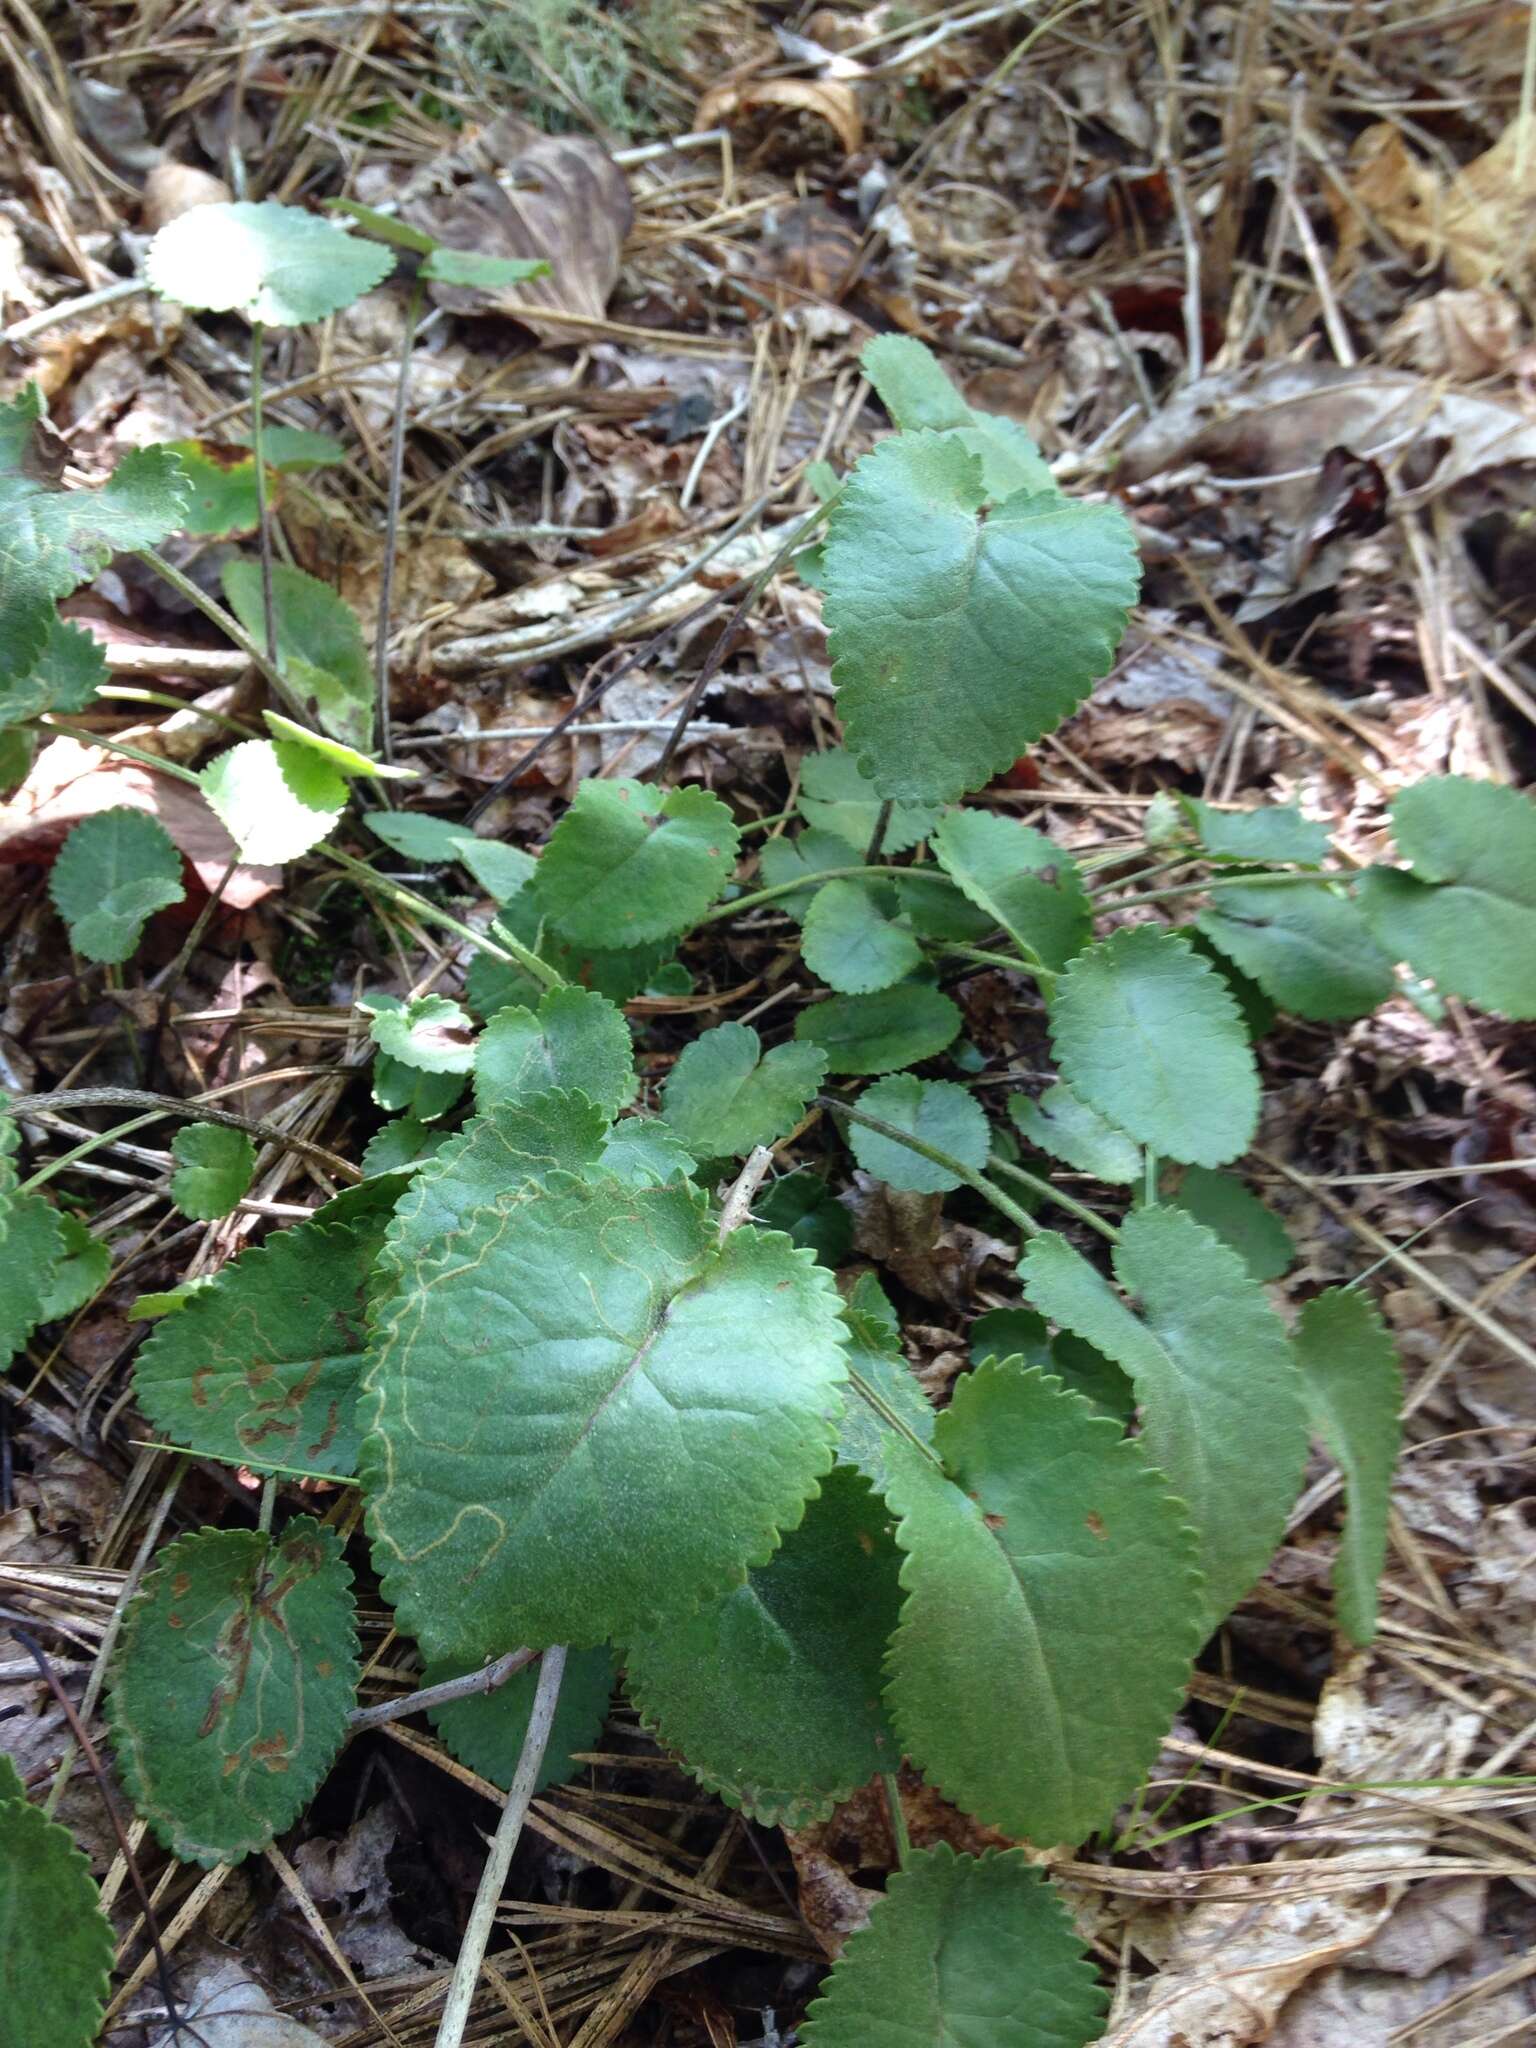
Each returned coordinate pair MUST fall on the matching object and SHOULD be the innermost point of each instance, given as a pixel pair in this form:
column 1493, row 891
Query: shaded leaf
column 725, row 1094
column 1308, row 947
column 1267, row 832
column 487, row 1730
column 873, row 1034
column 940, row 1113
column 837, row 797
column 1062, row 1124
column 1011, row 1333
column 113, row 872
column 320, row 652
column 629, row 863
column 33, row 1244
column 1021, row 879
column 500, row 870
column 56, row 1944
column 80, row 1273
column 643, row 1152
column 400, row 1145
column 68, row 672
column 808, row 855
column 852, row 938
column 1145, row 1032
column 217, row 1164
column 804, row 1208
column 234, row 1674
column 1236, row 1215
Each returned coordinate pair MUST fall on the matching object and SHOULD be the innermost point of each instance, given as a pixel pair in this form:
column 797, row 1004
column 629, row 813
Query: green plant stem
column 466, row 1970
column 226, row 622
column 950, row 1164
column 503, row 948
column 1049, row 1193
column 759, row 897
column 86, row 1146
column 268, row 1502
column 1046, row 976
column 1294, row 879
column 128, row 693
column 899, row 1833
column 196, row 1109
column 111, row 746
column 392, row 525
column 263, row 520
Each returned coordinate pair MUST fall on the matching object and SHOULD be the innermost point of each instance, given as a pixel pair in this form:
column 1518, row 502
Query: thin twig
column 392, row 526
column 742, row 1192
column 193, row 1110
column 489, row 1678
column 466, row 1971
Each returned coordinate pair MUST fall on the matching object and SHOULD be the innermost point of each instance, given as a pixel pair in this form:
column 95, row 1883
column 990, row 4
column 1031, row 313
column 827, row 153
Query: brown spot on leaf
column 1096, row 1525
column 995, row 1522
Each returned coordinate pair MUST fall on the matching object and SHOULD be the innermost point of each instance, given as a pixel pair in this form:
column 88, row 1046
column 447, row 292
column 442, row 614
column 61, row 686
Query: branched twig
column 194, row 1112
column 489, row 1678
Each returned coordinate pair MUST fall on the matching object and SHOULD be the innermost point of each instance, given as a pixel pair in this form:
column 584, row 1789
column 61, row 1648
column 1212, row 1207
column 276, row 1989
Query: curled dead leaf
column 833, row 99
column 172, row 189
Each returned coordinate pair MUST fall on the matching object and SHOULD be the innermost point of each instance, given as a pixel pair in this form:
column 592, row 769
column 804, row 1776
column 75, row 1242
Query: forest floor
column 1263, row 272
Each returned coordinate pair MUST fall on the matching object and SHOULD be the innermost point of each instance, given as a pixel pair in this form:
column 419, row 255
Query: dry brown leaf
column 1490, row 211
column 172, row 189
column 70, row 781
column 1400, row 192
column 516, row 192
column 1462, row 334
column 833, row 99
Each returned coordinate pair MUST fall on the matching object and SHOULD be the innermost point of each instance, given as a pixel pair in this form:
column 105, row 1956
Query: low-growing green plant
column 591, row 1404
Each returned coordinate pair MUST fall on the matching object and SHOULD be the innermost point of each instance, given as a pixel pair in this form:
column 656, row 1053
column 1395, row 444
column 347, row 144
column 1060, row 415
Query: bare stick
column 193, row 1110
column 489, row 1678
column 743, row 1190
column 263, row 520
column 466, row 1971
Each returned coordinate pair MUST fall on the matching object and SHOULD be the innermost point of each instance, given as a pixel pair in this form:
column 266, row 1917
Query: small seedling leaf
column 1146, row 1033
column 234, row 1675
column 790, row 1720
column 114, row 871
column 217, row 1164
column 975, row 1950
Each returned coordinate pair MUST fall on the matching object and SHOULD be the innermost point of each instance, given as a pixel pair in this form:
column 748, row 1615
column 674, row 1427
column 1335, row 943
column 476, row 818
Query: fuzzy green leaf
column 432, row 1033
column 629, row 863
column 273, row 263
column 217, row 1164
column 837, row 797
column 586, row 1414
column 887, row 1420
column 804, row 1208
column 401, row 1145
column 575, row 1039
column 1146, row 1033
column 790, row 1718
column 853, row 940
column 726, row 1094
column 56, row 1944
column 808, row 855
column 274, row 798
column 487, row 1731
column 1221, row 1399
column 643, row 1152
column 1465, row 912
column 408, row 1090
column 1011, row 1333
column 65, row 677
column 940, row 1113
column 501, row 870
column 916, row 393
column 263, row 1363
column 114, row 871
column 1354, row 1392
column 320, row 650
column 33, row 1244
column 933, row 906
column 1236, row 1215
column 962, row 1952
column 1053, row 1607
column 617, row 972
column 57, row 539
column 466, row 267
column 1062, row 1124
column 234, row 1674
column 956, row 642
column 1268, row 832
column 1308, row 947
column 82, row 1270
column 874, row 1034
column 1021, row 879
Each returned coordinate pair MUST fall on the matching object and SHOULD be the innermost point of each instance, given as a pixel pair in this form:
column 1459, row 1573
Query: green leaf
column 1221, row 1399
column 234, row 1675
column 1011, row 1333
column 1268, row 832
column 1146, row 1033
column 398, row 1087
column 66, row 676
column 916, row 393
column 879, row 1436
column 1083, row 1368
column 809, row 854
column 853, row 940
column 221, row 476
column 275, row 799
column 114, row 871
column 836, row 797
column 487, row 1730
column 789, row 1719
column 320, row 650
column 401, row 1145
column 18, row 750
column 273, row 263
column 654, row 1409
column 501, row 871
column 617, row 972
column 56, row 1944
column 933, row 906
column 33, row 1245
column 629, row 863
column 956, row 642
column 1236, row 1215
column 974, row 1951
column 80, row 1274
column 217, row 1166
column 1305, row 945
column 575, row 1040
column 263, row 1363
column 1256, row 1008
column 346, row 760
column 1053, row 1608
column 940, row 1113
column 57, row 539
column 643, row 1152
column 385, row 227
column 1465, row 912
column 466, row 267
column 877, row 1033
column 726, row 1094
column 804, row 1208
column 1021, row 879
column 1354, row 1392
column 1062, row 1124
column 432, row 1033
